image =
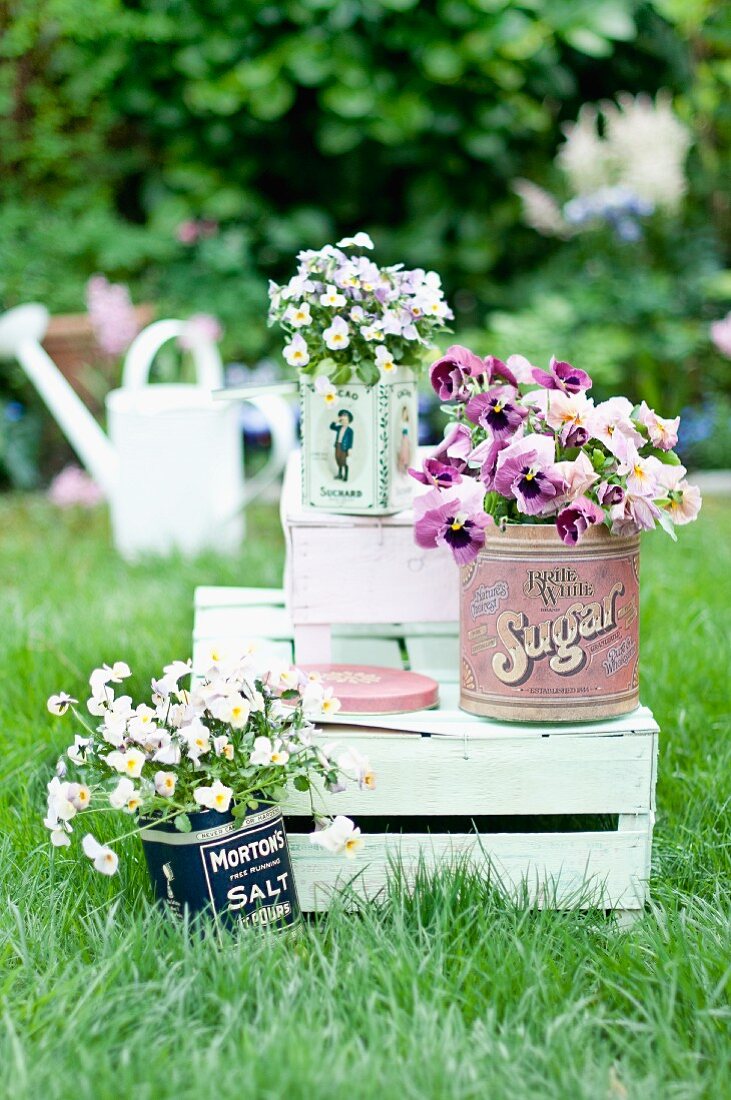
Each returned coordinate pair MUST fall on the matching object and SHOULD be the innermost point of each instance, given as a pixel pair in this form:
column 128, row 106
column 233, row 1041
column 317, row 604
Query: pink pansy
column 495, row 368
column 610, row 417
column 663, row 433
column 521, row 369
column 450, row 455
column 573, row 520
column 635, row 513
column 449, row 375
column 456, row 519
column 496, row 411
column 569, row 414
column 643, row 474
column 684, row 503
column 609, row 495
column 525, row 472
column 579, row 475
column 721, row 335
column 562, row 376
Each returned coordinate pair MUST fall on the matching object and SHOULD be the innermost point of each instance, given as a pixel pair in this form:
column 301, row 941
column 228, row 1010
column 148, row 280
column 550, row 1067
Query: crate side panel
column 556, row 870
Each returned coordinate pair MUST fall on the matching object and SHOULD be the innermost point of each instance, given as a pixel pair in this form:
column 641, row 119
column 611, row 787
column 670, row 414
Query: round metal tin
column 370, row 689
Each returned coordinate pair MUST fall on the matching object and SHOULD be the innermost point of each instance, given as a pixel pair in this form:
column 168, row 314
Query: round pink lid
column 369, row 689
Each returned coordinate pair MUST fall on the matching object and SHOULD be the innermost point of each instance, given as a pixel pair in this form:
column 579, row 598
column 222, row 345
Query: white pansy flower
column 355, row 765
column 125, row 796
column 337, row 336
column 78, row 795
column 197, row 738
column 165, row 783
column 371, row 332
column 127, row 763
column 296, row 351
column 298, row 316
column 59, row 704
column 142, row 722
column 342, row 836
column 77, row 752
column 332, row 298
column 384, row 359
column 267, row 752
column 329, row 704
column 231, row 709
column 223, row 747
column 325, row 388
column 216, row 797
column 104, row 859
column 360, row 240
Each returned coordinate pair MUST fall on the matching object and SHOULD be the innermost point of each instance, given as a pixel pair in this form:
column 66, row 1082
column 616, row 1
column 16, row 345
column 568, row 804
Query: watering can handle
column 145, row 346
column 280, row 418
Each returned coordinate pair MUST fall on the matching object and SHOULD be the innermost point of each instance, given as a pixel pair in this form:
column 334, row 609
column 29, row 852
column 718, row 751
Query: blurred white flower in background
column 647, row 145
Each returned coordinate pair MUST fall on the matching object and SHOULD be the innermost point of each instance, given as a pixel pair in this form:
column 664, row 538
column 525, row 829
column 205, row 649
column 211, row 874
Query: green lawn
column 447, row 992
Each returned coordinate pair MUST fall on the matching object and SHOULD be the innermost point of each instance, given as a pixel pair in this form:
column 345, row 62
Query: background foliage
column 288, row 123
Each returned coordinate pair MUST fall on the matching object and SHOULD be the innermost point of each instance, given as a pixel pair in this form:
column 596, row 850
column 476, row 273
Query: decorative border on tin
column 383, row 434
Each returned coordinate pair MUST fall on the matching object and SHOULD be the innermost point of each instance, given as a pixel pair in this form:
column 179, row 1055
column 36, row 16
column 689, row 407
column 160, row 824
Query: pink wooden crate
column 358, row 569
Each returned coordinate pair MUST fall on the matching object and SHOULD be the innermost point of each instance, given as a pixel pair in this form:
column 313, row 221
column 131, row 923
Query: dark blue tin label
column 239, row 870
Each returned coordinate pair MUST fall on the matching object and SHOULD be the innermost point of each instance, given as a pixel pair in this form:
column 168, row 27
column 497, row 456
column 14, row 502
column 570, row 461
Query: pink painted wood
column 358, row 569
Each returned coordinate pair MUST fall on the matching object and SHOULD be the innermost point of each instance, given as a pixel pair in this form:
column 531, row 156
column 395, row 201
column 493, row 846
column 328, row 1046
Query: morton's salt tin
column 549, row 632
column 236, row 869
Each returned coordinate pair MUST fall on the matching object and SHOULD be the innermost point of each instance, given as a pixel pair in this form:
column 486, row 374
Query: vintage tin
column 357, row 449
column 236, row 869
column 550, row 633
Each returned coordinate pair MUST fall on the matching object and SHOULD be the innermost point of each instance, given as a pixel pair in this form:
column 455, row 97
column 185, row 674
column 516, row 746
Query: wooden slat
column 419, row 776
column 564, row 870
column 228, row 596
column 367, row 651
column 434, row 656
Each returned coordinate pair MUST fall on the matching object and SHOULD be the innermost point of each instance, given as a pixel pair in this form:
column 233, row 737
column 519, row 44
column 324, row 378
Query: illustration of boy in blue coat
column 343, row 442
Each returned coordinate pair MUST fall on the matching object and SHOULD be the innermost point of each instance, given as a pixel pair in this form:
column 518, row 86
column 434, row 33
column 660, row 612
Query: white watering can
column 172, row 465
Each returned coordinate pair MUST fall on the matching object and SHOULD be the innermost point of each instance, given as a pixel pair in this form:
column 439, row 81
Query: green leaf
column 301, row 783
column 252, row 804
column 182, row 823
column 342, row 374
column 368, row 372
column 290, row 693
column 239, row 810
column 597, row 459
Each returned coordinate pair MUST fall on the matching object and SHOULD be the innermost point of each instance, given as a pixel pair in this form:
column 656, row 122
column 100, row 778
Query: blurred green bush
column 281, row 125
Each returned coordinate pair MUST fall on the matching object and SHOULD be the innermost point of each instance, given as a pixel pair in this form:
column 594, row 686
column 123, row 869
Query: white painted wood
column 554, row 870
column 367, row 651
column 313, row 644
column 343, row 569
column 423, row 776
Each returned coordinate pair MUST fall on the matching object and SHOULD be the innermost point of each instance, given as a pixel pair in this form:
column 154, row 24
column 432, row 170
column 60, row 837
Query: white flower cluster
column 344, row 315
column 634, row 148
column 234, row 738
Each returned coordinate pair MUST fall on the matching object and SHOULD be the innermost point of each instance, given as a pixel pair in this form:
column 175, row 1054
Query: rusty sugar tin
column 548, row 632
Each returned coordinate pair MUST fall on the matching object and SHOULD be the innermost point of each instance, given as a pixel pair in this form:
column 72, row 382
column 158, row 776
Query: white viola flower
column 298, row 286
column 275, row 294
column 216, row 797
column 104, row 859
column 166, row 752
column 384, row 360
column 325, row 389
column 371, row 332
column 142, row 722
column 356, row 766
column 59, row 704
column 332, row 298
column 298, row 316
column 684, row 503
column 262, row 754
column 337, row 336
column 342, row 836
column 165, row 783
column 176, row 670
column 108, row 674
column 125, row 796
column 77, row 752
column 59, row 837
column 127, row 763
column 312, row 697
column 197, row 738
column 78, row 795
column 223, row 747
column 330, row 704
column 357, row 314
column 60, row 806
column 231, row 709
column 360, row 240
column 296, row 352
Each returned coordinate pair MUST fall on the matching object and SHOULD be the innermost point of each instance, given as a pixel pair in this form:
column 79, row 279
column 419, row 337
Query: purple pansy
column 455, row 519
column 608, row 495
column 576, row 518
column 562, row 376
column 451, row 454
column 495, row 368
column 449, row 374
column 525, row 472
column 496, row 411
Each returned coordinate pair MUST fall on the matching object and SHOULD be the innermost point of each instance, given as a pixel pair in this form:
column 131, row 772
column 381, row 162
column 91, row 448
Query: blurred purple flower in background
column 112, row 315
column 199, row 328
column 721, row 335
column 74, row 488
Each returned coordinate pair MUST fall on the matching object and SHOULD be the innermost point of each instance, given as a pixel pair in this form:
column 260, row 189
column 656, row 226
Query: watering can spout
column 21, row 332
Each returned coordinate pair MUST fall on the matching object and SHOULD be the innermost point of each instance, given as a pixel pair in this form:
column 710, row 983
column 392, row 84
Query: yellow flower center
column 457, row 525
column 497, row 407
column 529, row 476
column 639, row 472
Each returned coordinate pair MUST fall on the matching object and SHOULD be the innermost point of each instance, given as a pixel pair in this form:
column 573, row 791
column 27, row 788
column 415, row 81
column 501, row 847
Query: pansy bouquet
column 528, row 445
column 230, row 742
column 345, row 318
